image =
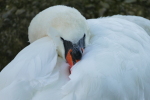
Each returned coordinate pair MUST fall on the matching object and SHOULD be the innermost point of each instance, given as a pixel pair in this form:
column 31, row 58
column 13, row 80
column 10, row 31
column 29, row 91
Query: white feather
column 142, row 22
column 35, row 68
column 115, row 66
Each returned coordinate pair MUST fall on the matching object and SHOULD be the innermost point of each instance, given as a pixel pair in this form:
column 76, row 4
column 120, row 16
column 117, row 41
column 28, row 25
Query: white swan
column 114, row 66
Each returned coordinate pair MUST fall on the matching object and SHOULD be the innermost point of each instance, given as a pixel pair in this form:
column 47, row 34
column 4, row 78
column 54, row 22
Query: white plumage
column 114, row 66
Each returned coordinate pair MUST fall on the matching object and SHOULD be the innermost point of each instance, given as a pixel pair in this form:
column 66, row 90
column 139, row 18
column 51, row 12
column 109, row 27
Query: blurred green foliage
column 15, row 16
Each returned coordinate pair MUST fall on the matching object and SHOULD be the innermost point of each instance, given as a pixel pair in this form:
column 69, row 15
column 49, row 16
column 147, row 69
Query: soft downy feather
column 142, row 22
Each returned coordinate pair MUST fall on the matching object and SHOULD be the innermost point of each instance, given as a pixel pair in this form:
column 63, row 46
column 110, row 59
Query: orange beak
column 69, row 59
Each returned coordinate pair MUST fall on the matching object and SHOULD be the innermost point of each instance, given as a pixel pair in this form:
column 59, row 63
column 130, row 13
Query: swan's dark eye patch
column 81, row 42
column 73, row 52
column 67, row 45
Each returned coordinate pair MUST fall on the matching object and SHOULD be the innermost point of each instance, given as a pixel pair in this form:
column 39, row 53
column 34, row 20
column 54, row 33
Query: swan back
column 115, row 66
column 142, row 22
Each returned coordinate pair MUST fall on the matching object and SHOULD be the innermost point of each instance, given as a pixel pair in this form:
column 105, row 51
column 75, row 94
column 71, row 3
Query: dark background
column 15, row 16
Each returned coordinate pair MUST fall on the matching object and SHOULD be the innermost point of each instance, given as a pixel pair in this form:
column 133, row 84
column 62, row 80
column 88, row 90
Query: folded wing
column 115, row 66
column 30, row 71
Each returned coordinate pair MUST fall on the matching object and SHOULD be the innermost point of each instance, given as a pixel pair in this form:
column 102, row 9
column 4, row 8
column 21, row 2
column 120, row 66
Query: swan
column 108, row 58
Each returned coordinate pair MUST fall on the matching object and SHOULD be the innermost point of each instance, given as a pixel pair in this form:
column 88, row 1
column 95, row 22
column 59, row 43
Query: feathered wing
column 30, row 71
column 115, row 66
column 142, row 22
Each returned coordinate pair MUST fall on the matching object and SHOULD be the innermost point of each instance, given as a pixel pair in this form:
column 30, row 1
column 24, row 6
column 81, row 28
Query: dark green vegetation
column 15, row 16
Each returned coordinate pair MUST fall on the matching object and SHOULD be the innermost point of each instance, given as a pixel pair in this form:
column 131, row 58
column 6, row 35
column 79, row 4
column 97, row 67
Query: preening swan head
column 66, row 27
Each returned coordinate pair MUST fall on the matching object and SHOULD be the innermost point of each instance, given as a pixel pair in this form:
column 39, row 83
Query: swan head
column 66, row 27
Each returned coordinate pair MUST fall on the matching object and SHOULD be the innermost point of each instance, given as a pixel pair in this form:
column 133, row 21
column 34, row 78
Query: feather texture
column 32, row 70
column 115, row 66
